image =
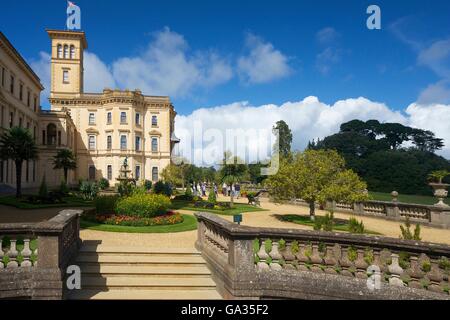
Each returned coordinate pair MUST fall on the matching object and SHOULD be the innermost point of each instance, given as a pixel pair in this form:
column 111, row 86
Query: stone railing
column 249, row 263
column 435, row 216
column 34, row 257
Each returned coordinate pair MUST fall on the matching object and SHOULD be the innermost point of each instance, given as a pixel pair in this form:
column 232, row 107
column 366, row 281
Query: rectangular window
column 138, row 119
column 109, row 142
column 35, row 104
column 109, row 118
column 11, row 85
column 3, row 76
column 59, row 138
column 27, row 171
column 65, row 76
column 154, row 144
column 34, row 171
column 91, row 142
column 21, row 92
column 28, row 98
column 11, row 119
column 154, row 121
column 155, row 174
column 138, row 143
column 123, row 117
column 123, row 142
column 109, row 172
column 20, row 122
column 92, row 172
column 91, row 119
column 43, row 137
column 138, row 173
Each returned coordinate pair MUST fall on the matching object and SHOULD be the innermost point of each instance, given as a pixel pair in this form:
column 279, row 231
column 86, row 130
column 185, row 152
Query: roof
column 69, row 34
column 18, row 56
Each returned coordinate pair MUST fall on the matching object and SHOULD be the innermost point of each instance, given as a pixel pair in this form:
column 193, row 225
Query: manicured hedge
column 143, row 205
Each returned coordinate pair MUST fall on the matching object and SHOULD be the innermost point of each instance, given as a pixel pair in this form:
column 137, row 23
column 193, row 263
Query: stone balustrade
column 33, row 257
column 435, row 216
column 283, row 263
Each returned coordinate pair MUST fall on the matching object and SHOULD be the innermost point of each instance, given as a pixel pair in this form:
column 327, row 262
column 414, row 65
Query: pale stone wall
column 16, row 110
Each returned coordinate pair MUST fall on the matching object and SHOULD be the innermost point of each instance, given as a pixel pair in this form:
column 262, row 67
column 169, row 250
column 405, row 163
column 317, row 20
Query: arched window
column 51, row 134
column 66, row 51
column 60, row 52
column 72, row 52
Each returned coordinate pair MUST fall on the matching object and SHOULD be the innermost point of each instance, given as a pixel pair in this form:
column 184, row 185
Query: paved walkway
column 256, row 219
column 14, row 215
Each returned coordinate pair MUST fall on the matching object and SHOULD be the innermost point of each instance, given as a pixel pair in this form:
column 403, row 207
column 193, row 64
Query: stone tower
column 67, row 63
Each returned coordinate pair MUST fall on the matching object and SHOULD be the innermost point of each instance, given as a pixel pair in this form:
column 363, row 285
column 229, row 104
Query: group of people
column 199, row 189
column 233, row 189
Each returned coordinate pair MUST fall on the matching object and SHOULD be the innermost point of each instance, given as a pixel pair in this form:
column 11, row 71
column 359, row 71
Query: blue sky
column 247, row 64
column 378, row 65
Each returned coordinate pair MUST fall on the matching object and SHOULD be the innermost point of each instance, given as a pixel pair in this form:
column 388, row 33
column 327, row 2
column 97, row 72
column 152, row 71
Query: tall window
column 35, row 103
column 27, row 171
column 91, row 118
column 123, row 142
column 21, row 92
column 138, row 143
column 11, row 85
column 155, row 174
column 138, row 119
column 3, row 76
column 138, row 173
column 66, row 51
column 66, row 76
column 91, row 142
column 109, row 118
column 123, row 117
column 28, row 98
column 109, row 142
column 109, row 172
column 72, row 52
column 11, row 119
column 154, row 121
column 92, row 172
column 20, row 122
column 154, row 144
column 60, row 53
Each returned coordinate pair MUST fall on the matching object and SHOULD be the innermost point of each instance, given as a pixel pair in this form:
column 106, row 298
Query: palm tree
column 232, row 172
column 65, row 159
column 18, row 145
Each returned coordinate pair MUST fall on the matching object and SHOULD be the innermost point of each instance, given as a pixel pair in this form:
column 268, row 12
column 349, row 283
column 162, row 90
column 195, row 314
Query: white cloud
column 327, row 35
column 263, row 63
column 42, row 69
column 327, row 59
column 97, row 74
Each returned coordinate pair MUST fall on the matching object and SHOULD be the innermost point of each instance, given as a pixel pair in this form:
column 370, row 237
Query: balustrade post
column 396, row 271
column 12, row 255
column 1, row 253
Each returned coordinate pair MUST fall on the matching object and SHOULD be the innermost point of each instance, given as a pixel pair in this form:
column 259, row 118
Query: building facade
column 102, row 129
column 20, row 90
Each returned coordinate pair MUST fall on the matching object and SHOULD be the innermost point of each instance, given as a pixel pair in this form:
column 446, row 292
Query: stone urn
column 440, row 192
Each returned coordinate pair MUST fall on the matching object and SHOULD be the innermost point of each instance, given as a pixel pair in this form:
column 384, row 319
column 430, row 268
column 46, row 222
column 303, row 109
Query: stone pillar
column 358, row 208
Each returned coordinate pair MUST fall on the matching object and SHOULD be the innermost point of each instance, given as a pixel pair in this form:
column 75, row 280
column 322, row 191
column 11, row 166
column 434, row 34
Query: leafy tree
column 232, row 171
column 65, row 159
column 254, row 172
column 316, row 176
column 173, row 174
column 284, row 138
column 18, row 145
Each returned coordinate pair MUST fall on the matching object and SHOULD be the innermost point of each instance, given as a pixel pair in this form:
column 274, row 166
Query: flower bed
column 170, row 218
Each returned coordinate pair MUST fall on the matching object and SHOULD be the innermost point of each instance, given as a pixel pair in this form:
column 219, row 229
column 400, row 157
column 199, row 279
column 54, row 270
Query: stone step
column 140, row 259
column 137, row 269
column 137, row 250
column 210, row 294
column 149, row 283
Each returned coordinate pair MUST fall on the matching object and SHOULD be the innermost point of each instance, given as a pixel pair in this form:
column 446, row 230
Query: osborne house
column 102, row 129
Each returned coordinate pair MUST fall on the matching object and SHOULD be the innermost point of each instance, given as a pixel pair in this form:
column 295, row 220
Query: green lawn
column 190, row 223
column 238, row 208
column 339, row 224
column 69, row 201
column 406, row 198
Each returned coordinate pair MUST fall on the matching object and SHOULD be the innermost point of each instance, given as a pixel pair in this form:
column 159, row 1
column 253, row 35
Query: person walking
column 224, row 189
column 238, row 190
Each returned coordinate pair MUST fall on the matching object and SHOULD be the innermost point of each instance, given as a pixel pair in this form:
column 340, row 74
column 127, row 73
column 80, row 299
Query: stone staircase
column 123, row 273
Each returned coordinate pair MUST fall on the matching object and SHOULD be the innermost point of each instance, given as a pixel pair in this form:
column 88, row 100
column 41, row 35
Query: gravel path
column 256, row 219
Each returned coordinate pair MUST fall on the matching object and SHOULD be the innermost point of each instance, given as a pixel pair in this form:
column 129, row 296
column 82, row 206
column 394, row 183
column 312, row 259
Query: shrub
column 328, row 222
column 106, row 204
column 212, row 196
column 355, row 227
column 43, row 190
column 143, row 205
column 406, row 231
column 88, row 190
column 148, row 185
column 125, row 188
column 162, row 188
column 103, row 184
